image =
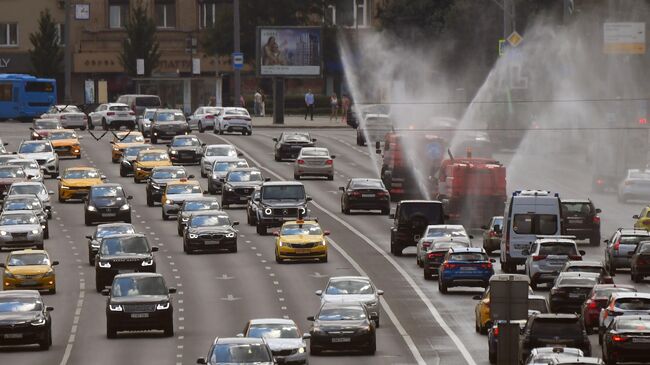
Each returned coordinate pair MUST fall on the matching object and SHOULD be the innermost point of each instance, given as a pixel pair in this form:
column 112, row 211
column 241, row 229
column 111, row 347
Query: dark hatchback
column 239, row 185
column 123, row 253
column 107, row 203
column 128, row 158
column 436, row 254
column 289, row 144
column 24, row 319
column 365, row 194
column 570, row 290
column 185, row 149
column 627, row 339
column 158, row 180
column 580, row 219
column 192, row 206
column 210, row 231
column 410, row 220
column 563, row 330
column 597, row 301
column 339, row 326
column 137, row 302
column 105, row 230
column 640, row 262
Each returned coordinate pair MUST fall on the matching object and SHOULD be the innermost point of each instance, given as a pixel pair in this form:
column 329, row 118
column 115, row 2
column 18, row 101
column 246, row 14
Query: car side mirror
column 203, row 144
column 54, row 263
column 391, row 216
column 373, row 317
column 311, row 318
column 240, row 335
column 130, row 197
column 267, row 179
column 581, row 252
column 106, row 292
column 50, row 192
column 497, row 228
column 276, row 233
column 275, row 139
column 205, row 192
column 598, row 210
column 308, row 198
column 58, row 177
column 239, row 154
column 172, row 290
column 154, row 249
column 326, row 233
column 256, row 199
column 190, row 176
column 470, row 236
column 605, row 241
column 341, row 188
column 318, row 292
column 636, row 216
column 89, row 237
column 5, row 143
column 103, row 177
column 14, row 153
column 235, row 223
column 493, row 260
column 333, row 157
column 201, row 360
column 222, row 179
column 380, row 292
column 313, row 139
column 168, row 145
column 306, row 336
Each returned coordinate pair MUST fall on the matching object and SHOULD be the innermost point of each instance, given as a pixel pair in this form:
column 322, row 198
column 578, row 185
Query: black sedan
column 107, row 203
column 128, row 158
column 24, row 319
column 365, row 194
column 105, row 230
column 239, row 184
column 192, row 206
column 139, row 301
column 210, row 231
column 339, row 326
column 185, row 149
column 571, row 290
column 627, row 339
column 122, row 253
column 289, row 144
column 640, row 263
column 158, row 180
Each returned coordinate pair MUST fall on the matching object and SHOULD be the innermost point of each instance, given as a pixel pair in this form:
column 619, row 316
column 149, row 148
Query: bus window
column 5, row 92
column 38, row 86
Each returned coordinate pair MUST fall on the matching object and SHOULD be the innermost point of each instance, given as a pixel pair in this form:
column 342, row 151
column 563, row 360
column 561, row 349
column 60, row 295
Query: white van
column 528, row 214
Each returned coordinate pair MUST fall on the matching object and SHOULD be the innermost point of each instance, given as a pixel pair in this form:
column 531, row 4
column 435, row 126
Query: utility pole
column 237, row 50
column 67, row 52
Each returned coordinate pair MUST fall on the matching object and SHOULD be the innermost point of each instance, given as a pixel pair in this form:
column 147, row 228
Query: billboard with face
column 289, row 51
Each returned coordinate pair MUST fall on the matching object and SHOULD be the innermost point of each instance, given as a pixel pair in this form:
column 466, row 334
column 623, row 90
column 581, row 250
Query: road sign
column 624, row 38
column 515, row 39
column 237, row 60
column 502, row 47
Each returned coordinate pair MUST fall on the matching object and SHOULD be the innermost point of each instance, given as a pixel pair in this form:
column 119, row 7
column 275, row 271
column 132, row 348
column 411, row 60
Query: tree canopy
column 47, row 54
column 140, row 42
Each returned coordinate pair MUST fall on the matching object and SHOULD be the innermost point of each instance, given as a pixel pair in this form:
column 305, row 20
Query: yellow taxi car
column 29, row 269
column 146, row 161
column 643, row 219
column 301, row 240
column 483, row 319
column 123, row 140
column 176, row 193
column 75, row 182
column 65, row 142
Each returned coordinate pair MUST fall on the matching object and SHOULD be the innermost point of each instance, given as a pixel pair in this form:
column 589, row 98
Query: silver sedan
column 20, row 229
column 314, row 161
column 352, row 289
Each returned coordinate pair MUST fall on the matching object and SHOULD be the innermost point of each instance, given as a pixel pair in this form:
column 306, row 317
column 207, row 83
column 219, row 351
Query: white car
column 213, row 152
column 68, row 115
column 33, row 188
column 352, row 289
column 112, row 116
column 30, row 166
column 433, row 232
column 144, row 121
column 204, row 117
column 43, row 152
column 234, row 120
column 636, row 185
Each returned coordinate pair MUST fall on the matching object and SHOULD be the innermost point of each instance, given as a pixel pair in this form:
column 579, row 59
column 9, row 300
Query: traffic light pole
column 237, row 50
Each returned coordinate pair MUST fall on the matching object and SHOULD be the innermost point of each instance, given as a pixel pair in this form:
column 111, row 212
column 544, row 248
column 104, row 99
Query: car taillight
column 131, row 113
column 448, row 265
column 492, row 234
column 592, row 305
column 575, row 257
column 425, row 244
column 596, row 219
column 63, row 117
column 487, row 265
column 355, row 194
column 617, row 245
column 495, row 331
column 301, row 162
column 430, row 255
column 381, row 194
column 619, row 338
column 209, row 117
column 110, row 113
column 329, row 162
column 539, row 257
column 600, row 182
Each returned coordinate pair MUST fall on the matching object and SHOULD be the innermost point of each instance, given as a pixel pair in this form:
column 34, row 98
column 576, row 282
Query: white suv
column 112, row 116
column 547, row 256
column 43, row 152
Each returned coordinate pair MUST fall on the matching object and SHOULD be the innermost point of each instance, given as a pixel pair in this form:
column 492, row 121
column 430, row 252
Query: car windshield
column 558, row 248
column 298, row 229
column 106, row 191
column 240, row 353
column 183, row 189
column 46, row 124
column 153, row 156
column 27, row 189
column 342, row 287
column 21, row 204
column 579, row 281
column 229, row 165
column 430, row 212
column 28, row 259
column 168, row 174
column 283, row 192
column 576, row 209
column 62, row 135
column 113, row 230
column 314, row 152
column 447, row 245
column 148, row 115
column 209, row 220
column 192, row 206
column 297, row 137
column 604, row 293
column 133, row 151
column 273, row 330
column 244, row 176
column 642, row 175
column 130, row 138
column 119, row 108
column 632, row 303
column 170, row 117
column 632, row 324
column 9, row 172
column 236, row 112
column 578, row 268
column 226, row 151
column 68, row 109
column 446, row 232
column 181, row 142
column 25, row 164
column 125, row 245
column 147, row 101
column 131, row 286
column 16, row 219
column 211, row 110
column 342, row 314
column 80, row 174
column 35, row 148
column 366, row 184
column 644, row 247
column 467, row 256
column 555, row 328
column 538, row 305
column 16, row 305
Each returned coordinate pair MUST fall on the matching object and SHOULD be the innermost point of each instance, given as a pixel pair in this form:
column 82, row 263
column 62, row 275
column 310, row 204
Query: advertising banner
column 289, row 51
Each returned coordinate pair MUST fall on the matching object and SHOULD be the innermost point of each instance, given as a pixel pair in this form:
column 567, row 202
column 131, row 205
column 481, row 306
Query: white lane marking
column 75, row 321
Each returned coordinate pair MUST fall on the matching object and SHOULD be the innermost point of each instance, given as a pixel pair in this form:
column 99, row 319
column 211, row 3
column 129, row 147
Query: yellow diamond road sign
column 514, row 39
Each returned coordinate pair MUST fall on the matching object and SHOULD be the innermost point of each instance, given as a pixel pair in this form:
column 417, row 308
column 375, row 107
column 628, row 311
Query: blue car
column 465, row 266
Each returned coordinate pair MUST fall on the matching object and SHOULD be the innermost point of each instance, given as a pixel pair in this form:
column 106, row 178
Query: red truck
column 472, row 189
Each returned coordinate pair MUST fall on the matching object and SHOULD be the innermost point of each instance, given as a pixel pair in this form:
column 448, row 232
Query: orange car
column 65, row 142
column 124, row 140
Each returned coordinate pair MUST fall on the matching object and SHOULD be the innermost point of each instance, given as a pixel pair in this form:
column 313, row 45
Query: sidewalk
column 298, row 121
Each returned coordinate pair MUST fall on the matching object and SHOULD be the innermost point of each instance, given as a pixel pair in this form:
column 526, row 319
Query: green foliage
column 140, row 42
column 47, row 54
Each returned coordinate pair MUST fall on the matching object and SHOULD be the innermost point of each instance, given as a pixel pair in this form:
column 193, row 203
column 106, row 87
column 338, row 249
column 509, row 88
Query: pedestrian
column 242, row 102
column 334, row 105
column 257, row 103
column 309, row 104
column 345, row 107
column 263, row 103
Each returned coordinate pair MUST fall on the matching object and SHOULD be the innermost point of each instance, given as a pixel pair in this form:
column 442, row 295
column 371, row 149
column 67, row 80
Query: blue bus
column 25, row 97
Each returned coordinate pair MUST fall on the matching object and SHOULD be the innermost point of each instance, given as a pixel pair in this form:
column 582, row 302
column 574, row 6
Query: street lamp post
column 237, row 50
column 67, row 52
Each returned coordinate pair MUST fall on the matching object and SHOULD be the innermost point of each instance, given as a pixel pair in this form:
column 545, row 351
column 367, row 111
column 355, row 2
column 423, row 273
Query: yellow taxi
column 65, row 142
column 483, row 319
column 301, row 240
column 643, row 219
column 146, row 161
column 29, row 269
column 176, row 193
column 123, row 140
column 75, row 182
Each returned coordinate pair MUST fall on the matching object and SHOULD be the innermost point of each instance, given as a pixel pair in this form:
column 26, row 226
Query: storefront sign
column 15, row 63
column 4, row 62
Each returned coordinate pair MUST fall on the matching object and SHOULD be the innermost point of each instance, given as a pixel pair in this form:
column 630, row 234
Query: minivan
column 138, row 103
column 528, row 213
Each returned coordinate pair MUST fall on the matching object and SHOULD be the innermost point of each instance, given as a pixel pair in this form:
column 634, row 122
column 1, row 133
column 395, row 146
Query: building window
column 165, row 13
column 60, row 34
column 349, row 13
column 207, row 14
column 8, row 34
column 118, row 13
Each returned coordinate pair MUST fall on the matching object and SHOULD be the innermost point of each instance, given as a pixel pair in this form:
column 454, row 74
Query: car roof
column 182, row 136
column 555, row 350
column 466, row 249
column 20, row 294
column 556, row 316
column 584, row 263
column 117, row 104
column 106, row 185
column 126, row 235
column 130, row 133
column 220, row 145
column 555, row 240
column 139, row 274
column 184, row 182
column 578, row 360
column 634, row 232
column 342, row 305
column 27, row 183
column 342, row 278
column 21, row 196
column 118, row 224
column 17, row 212
column 282, row 183
column 577, row 274
column 174, row 168
column 169, row 110
column 244, row 169
column 36, row 141
column 575, row 200
column 446, row 226
column 606, row 286
column 83, row 168
column 630, row 294
column 27, row 251
column 272, row 321
column 462, row 239
column 239, row 340
column 209, row 212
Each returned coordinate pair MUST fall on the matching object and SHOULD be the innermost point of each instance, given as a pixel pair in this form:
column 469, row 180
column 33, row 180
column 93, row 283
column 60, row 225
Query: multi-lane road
column 218, row 293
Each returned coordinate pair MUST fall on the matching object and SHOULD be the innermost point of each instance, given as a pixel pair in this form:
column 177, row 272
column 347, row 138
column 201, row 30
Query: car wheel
column 372, row 348
column 278, row 259
column 79, row 157
column 47, row 341
column 91, row 259
column 418, row 261
column 150, row 202
column 492, row 357
column 88, row 221
column 99, row 285
column 104, row 125
column 249, row 221
column 136, row 180
column 331, row 177
column 346, row 211
column 277, row 158
column 111, row 332
column 314, row 350
column 201, row 129
column 61, row 199
column 324, row 259
column 203, row 174
column 52, row 291
column 46, row 232
column 442, row 288
column 261, row 229
column 169, row 329
column 123, row 172
column 165, row 217
column 91, row 126
column 395, row 249
column 385, row 211
column 533, row 284
column 154, row 139
column 221, row 131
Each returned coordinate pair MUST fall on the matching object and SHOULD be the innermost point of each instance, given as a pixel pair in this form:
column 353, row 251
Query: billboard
column 289, row 51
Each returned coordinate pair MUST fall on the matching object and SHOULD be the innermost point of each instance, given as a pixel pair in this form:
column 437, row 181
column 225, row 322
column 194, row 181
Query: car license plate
column 13, row 335
column 123, row 114
column 302, row 250
column 367, row 195
column 127, row 271
column 468, row 268
column 243, row 198
column 341, row 339
column 29, row 283
column 641, row 340
column 211, row 242
column 574, row 295
column 139, row 315
column 106, row 215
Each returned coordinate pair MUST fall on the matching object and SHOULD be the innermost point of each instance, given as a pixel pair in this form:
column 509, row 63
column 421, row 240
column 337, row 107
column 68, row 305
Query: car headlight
column 35, row 231
column 147, row 262
column 138, row 169
column 167, row 201
column 38, row 322
column 230, row 235
column 35, row 135
column 155, row 186
column 49, row 274
column 104, row 264
column 3, row 233
column 303, row 210
column 215, row 176
column 64, row 187
column 91, row 208
column 162, row 306
column 365, row 330
column 124, row 207
column 229, row 188
column 115, row 307
column 185, row 219
column 301, row 350
column 193, row 235
column 51, row 160
column 282, row 244
column 371, row 303
column 268, row 211
column 173, row 152
column 323, row 242
column 9, row 275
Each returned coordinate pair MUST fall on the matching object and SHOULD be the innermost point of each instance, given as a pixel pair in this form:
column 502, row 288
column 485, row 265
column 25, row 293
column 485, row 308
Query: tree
column 47, row 54
column 140, row 42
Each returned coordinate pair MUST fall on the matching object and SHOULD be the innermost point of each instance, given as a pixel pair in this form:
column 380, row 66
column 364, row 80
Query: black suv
column 122, row 253
column 580, row 219
column 239, row 184
column 411, row 218
column 185, row 149
column 289, row 144
column 210, row 231
column 139, row 301
column 158, row 180
column 280, row 201
column 167, row 123
column 107, row 203
column 543, row 330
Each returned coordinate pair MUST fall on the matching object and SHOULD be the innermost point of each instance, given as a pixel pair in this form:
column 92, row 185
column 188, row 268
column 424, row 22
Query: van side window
column 547, row 224
column 544, row 224
column 523, row 224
